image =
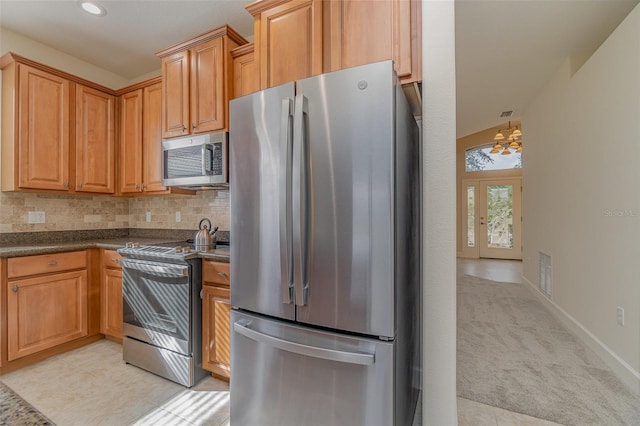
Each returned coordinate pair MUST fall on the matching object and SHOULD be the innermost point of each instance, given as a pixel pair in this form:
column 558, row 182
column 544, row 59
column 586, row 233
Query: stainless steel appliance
column 325, row 211
column 162, row 311
column 196, row 162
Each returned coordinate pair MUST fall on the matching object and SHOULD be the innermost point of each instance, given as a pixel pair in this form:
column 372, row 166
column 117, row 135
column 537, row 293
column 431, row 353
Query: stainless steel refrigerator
column 325, row 213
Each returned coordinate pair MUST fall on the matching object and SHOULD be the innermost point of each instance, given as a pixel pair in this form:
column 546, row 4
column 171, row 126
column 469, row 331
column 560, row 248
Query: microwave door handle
column 286, row 254
column 300, row 181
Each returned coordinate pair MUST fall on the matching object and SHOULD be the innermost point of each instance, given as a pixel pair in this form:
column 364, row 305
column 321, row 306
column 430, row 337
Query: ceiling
column 506, row 50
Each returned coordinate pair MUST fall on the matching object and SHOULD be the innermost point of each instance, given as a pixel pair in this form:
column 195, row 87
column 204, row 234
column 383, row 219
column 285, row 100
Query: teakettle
column 204, row 238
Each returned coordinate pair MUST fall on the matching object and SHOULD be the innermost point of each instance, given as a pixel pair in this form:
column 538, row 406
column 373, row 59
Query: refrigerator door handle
column 300, row 202
column 286, row 244
column 305, row 350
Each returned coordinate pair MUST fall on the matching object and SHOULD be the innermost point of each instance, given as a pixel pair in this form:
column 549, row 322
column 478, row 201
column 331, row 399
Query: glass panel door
column 500, row 221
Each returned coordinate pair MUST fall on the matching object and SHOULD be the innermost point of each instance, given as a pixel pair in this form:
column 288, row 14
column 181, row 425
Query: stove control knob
column 128, row 245
column 187, row 249
column 178, row 249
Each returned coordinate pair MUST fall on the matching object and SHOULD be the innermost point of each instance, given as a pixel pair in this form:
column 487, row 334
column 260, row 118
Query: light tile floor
column 93, row 386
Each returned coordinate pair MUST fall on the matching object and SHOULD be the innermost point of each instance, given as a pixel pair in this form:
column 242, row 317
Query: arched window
column 479, row 159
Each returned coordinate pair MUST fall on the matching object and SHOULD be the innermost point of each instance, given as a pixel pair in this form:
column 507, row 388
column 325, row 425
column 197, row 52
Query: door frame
column 480, row 202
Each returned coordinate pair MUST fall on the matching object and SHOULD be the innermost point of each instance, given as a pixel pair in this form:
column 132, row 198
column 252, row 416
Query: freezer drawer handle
column 298, row 348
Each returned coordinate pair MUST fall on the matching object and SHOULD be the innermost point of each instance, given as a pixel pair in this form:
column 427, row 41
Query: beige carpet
column 514, row 354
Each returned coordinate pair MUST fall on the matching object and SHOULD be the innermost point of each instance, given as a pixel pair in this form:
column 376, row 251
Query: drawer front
column 111, row 259
column 215, row 272
column 46, row 263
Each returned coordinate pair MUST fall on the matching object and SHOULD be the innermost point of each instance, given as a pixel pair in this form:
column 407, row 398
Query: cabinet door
column 152, row 138
column 130, row 158
column 362, row 32
column 216, row 332
column 95, row 141
column 207, row 86
column 246, row 77
column 111, row 320
column 43, row 124
column 175, row 95
column 290, row 42
column 45, row 311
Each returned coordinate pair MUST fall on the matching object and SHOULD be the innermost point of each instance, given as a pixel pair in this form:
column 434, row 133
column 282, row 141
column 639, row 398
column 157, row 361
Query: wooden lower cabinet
column 111, row 295
column 45, row 311
column 216, row 332
column 111, row 304
column 216, row 318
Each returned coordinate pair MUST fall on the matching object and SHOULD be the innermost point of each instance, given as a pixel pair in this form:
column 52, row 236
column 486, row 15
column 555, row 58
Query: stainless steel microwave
column 196, row 162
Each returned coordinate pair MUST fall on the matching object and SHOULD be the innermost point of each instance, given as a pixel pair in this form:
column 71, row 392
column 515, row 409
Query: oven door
column 156, row 303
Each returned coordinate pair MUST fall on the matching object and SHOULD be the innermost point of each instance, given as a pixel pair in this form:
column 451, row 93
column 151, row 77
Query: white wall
column 582, row 195
column 11, row 41
column 439, row 212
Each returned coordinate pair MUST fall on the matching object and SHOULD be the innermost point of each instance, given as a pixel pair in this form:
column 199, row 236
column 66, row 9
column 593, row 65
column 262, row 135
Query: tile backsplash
column 75, row 212
column 212, row 204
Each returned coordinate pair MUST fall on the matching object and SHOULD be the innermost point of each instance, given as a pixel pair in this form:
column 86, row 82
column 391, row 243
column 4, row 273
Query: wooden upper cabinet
column 35, row 129
column 300, row 38
column 175, row 95
column 288, row 39
column 207, row 87
column 246, row 74
column 95, row 140
column 152, row 138
column 197, row 83
column 362, row 32
column 140, row 145
column 58, row 130
column 130, row 153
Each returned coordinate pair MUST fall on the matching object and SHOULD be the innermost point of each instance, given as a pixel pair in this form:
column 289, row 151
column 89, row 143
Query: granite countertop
column 34, row 246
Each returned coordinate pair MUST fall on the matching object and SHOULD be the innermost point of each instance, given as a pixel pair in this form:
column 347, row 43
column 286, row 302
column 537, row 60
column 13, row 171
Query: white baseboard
column 629, row 376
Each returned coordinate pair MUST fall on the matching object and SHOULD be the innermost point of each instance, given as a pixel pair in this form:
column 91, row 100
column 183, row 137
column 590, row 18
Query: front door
column 500, row 219
column 493, row 218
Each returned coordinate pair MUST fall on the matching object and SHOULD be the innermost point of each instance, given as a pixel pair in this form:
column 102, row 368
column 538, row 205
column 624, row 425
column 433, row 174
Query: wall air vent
column 506, row 114
column 544, row 274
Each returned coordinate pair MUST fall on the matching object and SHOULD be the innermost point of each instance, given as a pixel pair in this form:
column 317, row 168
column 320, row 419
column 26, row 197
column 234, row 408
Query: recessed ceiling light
column 92, row 8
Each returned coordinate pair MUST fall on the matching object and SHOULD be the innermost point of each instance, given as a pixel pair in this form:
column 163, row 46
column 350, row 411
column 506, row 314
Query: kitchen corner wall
column 75, row 212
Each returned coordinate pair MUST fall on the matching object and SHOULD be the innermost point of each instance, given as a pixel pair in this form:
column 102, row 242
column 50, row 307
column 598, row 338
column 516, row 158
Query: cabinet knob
column 66, row 185
column 53, row 263
column 184, row 129
column 15, row 288
column 143, row 186
column 115, row 260
column 222, row 274
column 137, row 186
column 193, row 126
column 79, row 186
column 202, row 294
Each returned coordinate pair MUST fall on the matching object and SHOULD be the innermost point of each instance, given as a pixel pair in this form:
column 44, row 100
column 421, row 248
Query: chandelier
column 504, row 144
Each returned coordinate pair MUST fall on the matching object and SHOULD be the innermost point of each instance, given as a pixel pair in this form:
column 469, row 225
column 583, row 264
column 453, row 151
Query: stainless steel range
column 162, row 310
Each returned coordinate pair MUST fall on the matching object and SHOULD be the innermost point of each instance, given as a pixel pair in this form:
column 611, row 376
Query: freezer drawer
column 285, row 374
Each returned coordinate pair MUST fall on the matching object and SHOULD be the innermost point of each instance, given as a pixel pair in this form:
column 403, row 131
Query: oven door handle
column 156, row 268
